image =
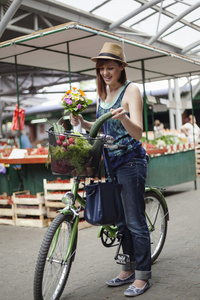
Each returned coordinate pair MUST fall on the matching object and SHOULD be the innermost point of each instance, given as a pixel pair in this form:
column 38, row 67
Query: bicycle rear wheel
column 51, row 271
column 157, row 217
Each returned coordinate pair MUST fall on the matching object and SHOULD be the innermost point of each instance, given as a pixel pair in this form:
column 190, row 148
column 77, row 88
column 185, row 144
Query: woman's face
column 110, row 71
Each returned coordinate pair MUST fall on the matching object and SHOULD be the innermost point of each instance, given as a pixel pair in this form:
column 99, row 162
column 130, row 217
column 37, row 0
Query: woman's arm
column 132, row 102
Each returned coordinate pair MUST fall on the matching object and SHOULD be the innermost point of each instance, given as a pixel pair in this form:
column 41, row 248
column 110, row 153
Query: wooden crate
column 53, row 200
column 7, row 215
column 197, row 157
column 53, row 193
column 29, row 211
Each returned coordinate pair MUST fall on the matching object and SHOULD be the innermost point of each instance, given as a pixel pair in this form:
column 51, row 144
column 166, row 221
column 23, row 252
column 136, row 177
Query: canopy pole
column 1, row 120
column 69, row 66
column 144, row 100
column 192, row 107
column 17, row 90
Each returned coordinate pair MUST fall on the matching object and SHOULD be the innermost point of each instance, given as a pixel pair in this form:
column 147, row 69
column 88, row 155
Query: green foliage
column 76, row 154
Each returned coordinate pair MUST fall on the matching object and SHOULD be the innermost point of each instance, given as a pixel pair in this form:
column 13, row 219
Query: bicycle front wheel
column 51, row 270
column 157, row 217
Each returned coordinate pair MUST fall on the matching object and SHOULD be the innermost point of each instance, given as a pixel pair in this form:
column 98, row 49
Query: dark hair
column 101, row 86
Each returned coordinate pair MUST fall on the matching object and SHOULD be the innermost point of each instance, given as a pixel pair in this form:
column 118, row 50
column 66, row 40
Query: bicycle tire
column 157, row 217
column 50, row 273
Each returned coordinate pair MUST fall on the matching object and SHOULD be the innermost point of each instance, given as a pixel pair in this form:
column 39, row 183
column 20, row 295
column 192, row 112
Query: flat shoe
column 117, row 281
column 133, row 291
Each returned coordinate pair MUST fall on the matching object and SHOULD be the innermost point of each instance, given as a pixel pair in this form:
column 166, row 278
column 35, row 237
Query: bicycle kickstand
column 121, row 258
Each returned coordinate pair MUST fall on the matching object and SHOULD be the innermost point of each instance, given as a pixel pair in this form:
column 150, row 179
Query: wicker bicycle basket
column 75, row 155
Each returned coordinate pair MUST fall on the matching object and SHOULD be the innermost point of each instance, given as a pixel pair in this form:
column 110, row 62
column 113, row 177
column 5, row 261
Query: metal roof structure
column 160, row 37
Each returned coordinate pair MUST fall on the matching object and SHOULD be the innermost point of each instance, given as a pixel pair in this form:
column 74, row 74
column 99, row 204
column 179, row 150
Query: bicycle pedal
column 122, row 259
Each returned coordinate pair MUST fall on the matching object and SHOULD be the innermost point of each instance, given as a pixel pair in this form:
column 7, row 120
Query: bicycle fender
column 99, row 233
column 159, row 193
column 65, row 212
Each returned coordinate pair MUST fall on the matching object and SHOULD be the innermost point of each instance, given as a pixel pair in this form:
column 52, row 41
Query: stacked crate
column 7, row 215
column 53, row 192
column 197, row 154
column 29, row 209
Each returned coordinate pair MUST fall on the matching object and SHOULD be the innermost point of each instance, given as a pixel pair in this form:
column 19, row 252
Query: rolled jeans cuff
column 142, row 275
column 129, row 266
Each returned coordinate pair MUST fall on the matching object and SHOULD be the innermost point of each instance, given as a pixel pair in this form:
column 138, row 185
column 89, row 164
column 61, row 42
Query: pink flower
column 79, row 106
column 68, row 101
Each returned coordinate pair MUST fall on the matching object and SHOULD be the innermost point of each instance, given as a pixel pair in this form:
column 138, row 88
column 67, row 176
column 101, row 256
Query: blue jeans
column 133, row 226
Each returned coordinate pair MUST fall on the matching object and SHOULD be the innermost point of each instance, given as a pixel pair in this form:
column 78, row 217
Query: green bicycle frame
column 68, row 212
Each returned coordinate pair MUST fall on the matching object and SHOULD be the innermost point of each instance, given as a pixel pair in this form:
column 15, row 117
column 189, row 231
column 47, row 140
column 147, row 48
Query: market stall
column 33, row 170
column 69, row 47
column 171, row 169
column 177, row 162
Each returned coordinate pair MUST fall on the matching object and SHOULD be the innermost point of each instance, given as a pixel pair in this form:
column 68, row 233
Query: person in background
column 123, row 98
column 191, row 130
column 25, row 141
column 158, row 129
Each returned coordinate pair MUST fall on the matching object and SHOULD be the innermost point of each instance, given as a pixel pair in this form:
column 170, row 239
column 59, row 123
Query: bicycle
column 58, row 248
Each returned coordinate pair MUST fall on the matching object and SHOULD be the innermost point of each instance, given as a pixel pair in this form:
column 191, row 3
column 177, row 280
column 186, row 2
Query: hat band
column 111, row 55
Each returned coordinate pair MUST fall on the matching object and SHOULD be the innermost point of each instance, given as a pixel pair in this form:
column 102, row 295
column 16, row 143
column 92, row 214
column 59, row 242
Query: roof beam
column 184, row 13
column 133, row 13
column 191, row 46
column 8, row 15
column 168, row 14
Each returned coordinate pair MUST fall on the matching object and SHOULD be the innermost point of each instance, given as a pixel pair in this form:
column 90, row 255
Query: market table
column 164, row 170
column 32, row 171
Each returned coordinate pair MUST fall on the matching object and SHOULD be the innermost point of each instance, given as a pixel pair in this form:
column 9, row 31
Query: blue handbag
column 103, row 200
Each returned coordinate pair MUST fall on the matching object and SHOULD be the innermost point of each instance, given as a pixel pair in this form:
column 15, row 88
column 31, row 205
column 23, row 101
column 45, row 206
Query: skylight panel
column 166, row 3
column 87, row 5
column 194, row 15
column 197, row 22
column 116, row 9
column 172, row 28
column 183, row 37
column 177, row 8
column 139, row 17
column 150, row 25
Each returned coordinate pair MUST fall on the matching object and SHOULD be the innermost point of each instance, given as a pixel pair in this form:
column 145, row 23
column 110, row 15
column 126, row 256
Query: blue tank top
column 118, row 132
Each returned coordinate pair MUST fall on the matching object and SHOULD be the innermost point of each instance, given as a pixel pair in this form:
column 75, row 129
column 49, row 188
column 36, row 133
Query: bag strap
column 108, row 167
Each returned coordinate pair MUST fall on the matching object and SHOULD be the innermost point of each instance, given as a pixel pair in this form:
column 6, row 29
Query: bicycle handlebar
column 120, row 147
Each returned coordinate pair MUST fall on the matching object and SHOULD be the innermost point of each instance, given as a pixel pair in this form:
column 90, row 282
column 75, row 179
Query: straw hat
column 111, row 51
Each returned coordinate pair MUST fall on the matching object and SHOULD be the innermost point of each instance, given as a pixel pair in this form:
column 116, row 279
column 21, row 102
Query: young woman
column 123, row 99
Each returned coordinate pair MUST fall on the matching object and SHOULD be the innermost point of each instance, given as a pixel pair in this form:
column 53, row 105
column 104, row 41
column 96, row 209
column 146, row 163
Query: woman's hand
column 74, row 120
column 119, row 113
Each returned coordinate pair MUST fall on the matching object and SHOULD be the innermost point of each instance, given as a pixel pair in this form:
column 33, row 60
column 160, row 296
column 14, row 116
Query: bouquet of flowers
column 74, row 101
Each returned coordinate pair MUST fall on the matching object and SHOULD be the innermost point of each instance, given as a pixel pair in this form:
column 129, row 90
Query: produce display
column 171, row 143
column 59, row 180
column 38, row 151
column 6, row 151
column 25, row 196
